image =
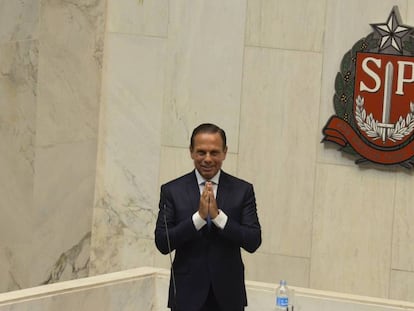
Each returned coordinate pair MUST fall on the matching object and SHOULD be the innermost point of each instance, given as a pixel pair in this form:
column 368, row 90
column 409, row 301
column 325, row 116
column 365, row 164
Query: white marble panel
column 278, row 138
column 205, row 54
column 403, row 234
column 162, row 261
column 123, row 249
column 129, row 152
column 161, row 290
column 286, row 24
column 346, row 23
column 64, row 185
column 401, row 285
column 71, row 47
column 271, row 268
column 18, row 82
column 62, row 204
column 175, row 162
column 19, row 20
column 19, row 270
column 130, row 141
column 14, row 268
column 408, row 18
column 126, row 296
column 352, row 229
column 347, row 303
column 138, row 17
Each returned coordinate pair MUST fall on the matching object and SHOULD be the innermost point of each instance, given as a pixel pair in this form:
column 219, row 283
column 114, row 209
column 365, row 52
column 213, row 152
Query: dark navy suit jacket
column 208, row 256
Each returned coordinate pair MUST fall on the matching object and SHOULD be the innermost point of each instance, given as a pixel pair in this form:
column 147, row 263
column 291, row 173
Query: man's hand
column 208, row 204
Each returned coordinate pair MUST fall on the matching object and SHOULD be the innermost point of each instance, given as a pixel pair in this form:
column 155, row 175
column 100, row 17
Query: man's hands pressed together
column 208, row 204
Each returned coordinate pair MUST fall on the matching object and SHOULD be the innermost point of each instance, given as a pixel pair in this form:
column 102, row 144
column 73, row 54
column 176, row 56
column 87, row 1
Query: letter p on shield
column 401, row 80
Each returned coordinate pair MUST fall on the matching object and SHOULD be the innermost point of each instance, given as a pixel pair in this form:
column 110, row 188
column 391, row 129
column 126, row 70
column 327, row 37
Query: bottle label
column 282, row 301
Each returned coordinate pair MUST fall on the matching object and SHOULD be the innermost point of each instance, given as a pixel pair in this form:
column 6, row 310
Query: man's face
column 208, row 154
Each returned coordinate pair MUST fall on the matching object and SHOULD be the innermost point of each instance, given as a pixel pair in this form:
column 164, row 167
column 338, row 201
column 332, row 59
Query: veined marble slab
column 145, row 289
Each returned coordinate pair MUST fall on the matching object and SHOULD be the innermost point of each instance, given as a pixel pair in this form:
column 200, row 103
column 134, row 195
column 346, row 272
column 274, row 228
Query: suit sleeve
column 167, row 229
column 245, row 232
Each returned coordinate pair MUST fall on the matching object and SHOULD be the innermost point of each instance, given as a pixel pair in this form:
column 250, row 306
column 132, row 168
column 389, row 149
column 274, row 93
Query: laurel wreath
column 402, row 128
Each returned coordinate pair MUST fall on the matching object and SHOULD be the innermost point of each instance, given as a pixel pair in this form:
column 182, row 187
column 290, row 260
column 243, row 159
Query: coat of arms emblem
column 374, row 97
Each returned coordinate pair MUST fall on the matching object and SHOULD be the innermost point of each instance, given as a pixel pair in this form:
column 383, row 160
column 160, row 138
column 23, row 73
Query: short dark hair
column 208, row 128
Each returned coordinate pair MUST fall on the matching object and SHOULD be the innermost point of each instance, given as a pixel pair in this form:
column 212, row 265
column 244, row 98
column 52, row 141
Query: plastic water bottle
column 282, row 296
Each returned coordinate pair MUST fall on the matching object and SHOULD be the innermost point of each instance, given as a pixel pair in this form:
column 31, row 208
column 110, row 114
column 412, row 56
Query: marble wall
column 264, row 70
column 82, row 158
column 50, row 80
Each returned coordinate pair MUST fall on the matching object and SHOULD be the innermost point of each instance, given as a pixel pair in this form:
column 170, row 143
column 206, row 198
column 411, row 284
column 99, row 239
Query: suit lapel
column 222, row 191
column 193, row 191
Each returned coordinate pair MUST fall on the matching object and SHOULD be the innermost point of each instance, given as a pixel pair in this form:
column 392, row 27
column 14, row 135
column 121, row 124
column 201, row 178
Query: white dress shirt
column 221, row 219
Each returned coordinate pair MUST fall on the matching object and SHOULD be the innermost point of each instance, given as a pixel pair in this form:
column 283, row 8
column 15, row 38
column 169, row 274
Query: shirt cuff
column 198, row 221
column 221, row 220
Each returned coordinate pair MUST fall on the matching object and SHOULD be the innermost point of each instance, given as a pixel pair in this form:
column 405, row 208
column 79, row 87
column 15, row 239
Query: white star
column 392, row 32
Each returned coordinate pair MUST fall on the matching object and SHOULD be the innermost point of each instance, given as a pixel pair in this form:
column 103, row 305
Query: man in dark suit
column 210, row 215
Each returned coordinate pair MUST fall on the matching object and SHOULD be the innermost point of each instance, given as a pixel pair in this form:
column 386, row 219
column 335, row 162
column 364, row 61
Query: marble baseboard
column 145, row 289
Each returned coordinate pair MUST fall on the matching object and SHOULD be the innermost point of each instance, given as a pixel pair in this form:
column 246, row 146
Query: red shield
column 384, row 98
